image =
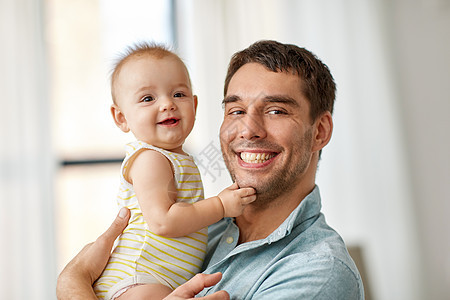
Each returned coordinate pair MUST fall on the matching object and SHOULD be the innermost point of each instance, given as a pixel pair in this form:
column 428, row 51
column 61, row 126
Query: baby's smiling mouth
column 169, row 121
column 256, row 157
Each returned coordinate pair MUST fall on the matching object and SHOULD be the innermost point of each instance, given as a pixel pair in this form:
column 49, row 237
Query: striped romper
column 140, row 256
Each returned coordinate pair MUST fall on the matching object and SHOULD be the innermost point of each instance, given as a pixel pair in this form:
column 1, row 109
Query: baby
column 165, row 241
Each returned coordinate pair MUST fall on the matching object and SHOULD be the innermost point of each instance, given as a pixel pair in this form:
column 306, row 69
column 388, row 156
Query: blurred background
column 384, row 177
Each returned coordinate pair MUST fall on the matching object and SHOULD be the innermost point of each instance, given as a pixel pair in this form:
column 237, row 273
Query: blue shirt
column 303, row 258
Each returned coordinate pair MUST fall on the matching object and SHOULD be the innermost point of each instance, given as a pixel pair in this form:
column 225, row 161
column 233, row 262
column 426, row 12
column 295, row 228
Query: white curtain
column 27, row 247
column 363, row 176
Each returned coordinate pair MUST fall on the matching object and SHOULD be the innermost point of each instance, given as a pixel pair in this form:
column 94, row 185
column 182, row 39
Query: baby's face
column 155, row 97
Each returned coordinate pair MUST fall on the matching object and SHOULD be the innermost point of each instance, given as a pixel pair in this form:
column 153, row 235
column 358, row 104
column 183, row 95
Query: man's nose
column 252, row 127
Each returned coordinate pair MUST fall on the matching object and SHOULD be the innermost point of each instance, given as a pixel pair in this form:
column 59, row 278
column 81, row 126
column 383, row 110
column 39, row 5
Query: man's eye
column 236, row 112
column 147, row 99
column 276, row 112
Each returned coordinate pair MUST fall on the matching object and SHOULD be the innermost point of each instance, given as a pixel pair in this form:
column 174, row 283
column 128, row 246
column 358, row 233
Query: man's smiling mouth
column 256, row 158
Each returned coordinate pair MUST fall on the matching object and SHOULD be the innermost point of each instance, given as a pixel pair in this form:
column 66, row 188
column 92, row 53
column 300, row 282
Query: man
column 277, row 118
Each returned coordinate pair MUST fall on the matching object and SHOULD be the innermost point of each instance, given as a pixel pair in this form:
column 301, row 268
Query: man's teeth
column 255, row 158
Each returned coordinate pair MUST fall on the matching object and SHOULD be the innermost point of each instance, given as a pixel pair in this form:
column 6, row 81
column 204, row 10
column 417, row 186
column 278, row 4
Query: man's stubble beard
column 284, row 178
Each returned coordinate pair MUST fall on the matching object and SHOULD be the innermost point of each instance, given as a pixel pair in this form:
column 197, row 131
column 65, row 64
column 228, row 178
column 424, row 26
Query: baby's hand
column 234, row 199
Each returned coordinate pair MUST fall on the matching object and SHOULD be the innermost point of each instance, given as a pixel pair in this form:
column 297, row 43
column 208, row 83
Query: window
column 83, row 39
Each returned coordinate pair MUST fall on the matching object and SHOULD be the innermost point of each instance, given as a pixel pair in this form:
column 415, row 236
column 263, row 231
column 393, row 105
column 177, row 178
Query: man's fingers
column 219, row 295
column 200, row 281
column 195, row 285
column 116, row 228
column 89, row 263
column 211, row 279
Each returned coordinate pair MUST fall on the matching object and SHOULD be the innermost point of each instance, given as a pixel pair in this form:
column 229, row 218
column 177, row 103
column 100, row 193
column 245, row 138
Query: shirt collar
column 308, row 208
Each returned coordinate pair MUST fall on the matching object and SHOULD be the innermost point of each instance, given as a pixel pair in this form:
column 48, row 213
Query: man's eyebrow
column 230, row 99
column 267, row 99
column 281, row 99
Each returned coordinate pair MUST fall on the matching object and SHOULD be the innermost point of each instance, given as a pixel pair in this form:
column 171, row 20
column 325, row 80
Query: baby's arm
column 152, row 178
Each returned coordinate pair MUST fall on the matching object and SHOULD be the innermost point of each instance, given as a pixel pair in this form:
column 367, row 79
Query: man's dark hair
column 317, row 82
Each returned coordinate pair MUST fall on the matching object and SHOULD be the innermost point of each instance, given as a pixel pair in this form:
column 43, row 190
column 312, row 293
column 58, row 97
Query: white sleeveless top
column 141, row 256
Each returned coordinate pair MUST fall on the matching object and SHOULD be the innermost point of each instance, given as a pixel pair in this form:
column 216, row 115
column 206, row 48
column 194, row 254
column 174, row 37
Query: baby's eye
column 147, row 99
column 179, row 95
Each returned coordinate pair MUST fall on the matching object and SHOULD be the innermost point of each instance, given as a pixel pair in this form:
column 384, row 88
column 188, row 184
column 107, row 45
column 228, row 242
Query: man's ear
column 119, row 118
column 323, row 130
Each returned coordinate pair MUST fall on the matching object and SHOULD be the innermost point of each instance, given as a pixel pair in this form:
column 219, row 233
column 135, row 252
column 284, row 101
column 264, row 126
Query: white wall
column 419, row 32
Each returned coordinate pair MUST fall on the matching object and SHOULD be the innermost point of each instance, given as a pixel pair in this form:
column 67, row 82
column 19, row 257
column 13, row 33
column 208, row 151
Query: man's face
column 266, row 136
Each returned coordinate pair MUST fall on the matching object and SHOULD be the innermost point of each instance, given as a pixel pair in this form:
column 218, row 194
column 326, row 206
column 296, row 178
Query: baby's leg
column 146, row 292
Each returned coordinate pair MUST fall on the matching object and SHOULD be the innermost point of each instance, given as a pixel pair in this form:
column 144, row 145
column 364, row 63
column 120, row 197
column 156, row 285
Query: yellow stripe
column 182, row 159
column 186, row 244
column 109, row 269
column 161, row 260
column 166, row 253
column 131, row 240
column 101, row 292
column 188, row 181
column 188, row 197
column 165, row 275
column 133, row 228
column 177, row 258
column 173, row 240
column 122, row 263
column 140, row 223
column 130, row 207
column 201, row 233
column 111, row 281
column 128, row 198
column 152, row 262
column 112, row 276
column 197, row 240
column 108, row 285
column 193, row 189
column 150, row 268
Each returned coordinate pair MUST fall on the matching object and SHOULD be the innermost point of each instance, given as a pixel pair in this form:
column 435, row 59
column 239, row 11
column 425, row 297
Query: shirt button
column 229, row 240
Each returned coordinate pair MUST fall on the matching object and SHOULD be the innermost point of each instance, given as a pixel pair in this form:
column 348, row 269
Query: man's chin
column 245, row 182
column 245, row 179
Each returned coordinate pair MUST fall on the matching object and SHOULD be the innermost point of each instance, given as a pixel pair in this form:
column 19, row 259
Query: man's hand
column 196, row 285
column 75, row 281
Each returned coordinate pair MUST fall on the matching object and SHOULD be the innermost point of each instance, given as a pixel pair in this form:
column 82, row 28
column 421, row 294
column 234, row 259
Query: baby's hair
column 139, row 49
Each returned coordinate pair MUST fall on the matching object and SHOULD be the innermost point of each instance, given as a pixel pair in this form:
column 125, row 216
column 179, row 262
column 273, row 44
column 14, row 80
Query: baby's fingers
column 247, row 191
column 248, row 199
column 233, row 187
